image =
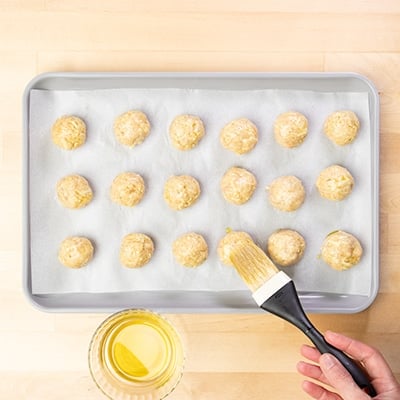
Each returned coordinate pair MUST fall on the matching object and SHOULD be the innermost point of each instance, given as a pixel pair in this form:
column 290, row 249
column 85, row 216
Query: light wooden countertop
column 44, row 356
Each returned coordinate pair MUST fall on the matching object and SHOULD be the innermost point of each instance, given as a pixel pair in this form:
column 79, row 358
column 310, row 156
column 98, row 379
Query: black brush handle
column 285, row 304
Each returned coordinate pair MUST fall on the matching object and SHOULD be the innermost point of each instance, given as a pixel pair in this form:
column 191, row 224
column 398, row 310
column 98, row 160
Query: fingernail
column 327, row 360
column 300, row 364
column 331, row 333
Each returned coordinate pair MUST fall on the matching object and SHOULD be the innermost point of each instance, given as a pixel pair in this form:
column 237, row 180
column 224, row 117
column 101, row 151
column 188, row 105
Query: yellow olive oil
column 136, row 352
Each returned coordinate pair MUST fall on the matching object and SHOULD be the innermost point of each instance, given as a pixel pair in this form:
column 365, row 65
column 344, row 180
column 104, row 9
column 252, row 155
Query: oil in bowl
column 136, row 354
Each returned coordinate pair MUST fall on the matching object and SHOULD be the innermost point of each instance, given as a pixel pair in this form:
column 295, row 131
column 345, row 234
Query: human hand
column 331, row 372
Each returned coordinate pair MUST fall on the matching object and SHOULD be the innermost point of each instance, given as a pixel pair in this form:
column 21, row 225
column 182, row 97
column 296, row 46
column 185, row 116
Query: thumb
column 340, row 378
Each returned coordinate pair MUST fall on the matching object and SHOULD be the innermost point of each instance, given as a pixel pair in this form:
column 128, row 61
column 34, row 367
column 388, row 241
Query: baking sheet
column 101, row 159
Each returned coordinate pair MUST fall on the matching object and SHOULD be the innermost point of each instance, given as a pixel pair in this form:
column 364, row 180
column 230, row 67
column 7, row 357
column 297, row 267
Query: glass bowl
column 136, row 354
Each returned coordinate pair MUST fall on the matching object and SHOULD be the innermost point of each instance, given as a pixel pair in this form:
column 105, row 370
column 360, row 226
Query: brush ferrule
column 270, row 287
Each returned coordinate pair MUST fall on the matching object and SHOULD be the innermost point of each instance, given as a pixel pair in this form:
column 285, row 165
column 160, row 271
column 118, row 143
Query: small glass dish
column 136, row 354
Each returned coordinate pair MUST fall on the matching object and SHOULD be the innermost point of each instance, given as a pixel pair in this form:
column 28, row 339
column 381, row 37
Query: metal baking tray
column 192, row 301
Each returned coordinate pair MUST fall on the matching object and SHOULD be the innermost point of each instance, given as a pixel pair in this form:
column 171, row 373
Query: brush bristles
column 252, row 264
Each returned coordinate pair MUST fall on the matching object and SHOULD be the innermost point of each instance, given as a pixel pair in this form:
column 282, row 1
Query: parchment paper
column 105, row 223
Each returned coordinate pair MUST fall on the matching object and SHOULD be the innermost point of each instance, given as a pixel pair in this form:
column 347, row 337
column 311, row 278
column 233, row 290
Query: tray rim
column 375, row 144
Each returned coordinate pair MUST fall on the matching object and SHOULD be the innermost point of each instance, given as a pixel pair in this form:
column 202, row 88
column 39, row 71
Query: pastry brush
column 274, row 291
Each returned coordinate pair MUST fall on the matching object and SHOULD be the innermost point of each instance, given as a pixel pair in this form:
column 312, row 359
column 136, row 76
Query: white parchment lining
column 105, row 223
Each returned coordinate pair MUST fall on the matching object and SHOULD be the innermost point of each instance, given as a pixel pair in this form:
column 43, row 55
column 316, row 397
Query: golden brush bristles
column 252, row 264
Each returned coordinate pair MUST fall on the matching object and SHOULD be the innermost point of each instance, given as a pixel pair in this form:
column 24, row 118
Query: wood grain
column 224, row 6
column 44, row 356
column 186, row 31
column 142, row 60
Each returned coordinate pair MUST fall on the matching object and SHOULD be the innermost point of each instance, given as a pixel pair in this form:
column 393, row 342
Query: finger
column 310, row 353
column 318, row 392
column 340, row 379
column 373, row 360
column 311, row 371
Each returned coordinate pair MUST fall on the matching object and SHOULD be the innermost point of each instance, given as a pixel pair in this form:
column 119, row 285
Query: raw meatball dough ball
column 341, row 250
column 74, row 191
column 286, row 247
column 181, row 191
column 127, row 189
column 230, row 241
column 69, row 132
column 75, row 252
column 186, row 131
column 131, row 128
column 136, row 250
column 286, row 193
column 239, row 136
column 342, row 127
column 238, row 185
column 335, row 183
column 290, row 129
column 190, row 249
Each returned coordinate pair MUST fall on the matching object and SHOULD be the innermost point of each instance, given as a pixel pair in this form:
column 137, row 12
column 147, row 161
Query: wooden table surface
column 44, row 356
